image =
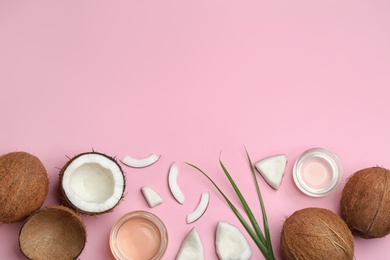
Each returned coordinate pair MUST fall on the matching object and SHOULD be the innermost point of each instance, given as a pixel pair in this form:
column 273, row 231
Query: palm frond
column 262, row 240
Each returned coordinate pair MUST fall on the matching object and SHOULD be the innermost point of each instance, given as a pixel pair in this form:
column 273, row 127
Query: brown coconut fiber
column 365, row 202
column 55, row 232
column 316, row 233
column 23, row 186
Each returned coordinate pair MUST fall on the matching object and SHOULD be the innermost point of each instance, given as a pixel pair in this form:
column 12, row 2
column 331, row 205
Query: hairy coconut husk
column 55, row 232
column 365, row 202
column 316, row 233
column 24, row 185
column 68, row 202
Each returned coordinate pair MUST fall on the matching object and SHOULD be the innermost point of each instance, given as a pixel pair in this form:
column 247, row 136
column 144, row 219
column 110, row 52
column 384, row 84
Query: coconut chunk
column 200, row 209
column 231, row 243
column 92, row 183
column 272, row 169
column 151, row 196
column 192, row 247
column 173, row 184
column 140, row 163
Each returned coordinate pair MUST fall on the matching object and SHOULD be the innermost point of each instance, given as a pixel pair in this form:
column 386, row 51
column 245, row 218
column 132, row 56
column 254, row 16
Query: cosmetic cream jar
column 317, row 172
column 138, row 235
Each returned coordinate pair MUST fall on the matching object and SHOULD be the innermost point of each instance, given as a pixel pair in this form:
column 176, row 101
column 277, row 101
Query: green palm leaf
column 262, row 240
column 263, row 211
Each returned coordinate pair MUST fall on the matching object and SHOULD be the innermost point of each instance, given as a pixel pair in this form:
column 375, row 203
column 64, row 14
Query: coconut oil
column 138, row 235
column 317, row 172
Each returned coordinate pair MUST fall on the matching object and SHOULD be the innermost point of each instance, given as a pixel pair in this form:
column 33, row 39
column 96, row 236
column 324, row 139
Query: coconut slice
column 200, row 209
column 55, row 232
column 151, row 196
column 192, row 247
column 140, row 163
column 272, row 169
column 173, row 185
column 230, row 243
column 92, row 183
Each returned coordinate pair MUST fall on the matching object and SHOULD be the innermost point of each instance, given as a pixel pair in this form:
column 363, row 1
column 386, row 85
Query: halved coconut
column 23, row 186
column 92, row 183
column 55, row 232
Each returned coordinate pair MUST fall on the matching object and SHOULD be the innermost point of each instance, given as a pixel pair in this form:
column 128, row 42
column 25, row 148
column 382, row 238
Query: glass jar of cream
column 138, row 235
column 317, row 172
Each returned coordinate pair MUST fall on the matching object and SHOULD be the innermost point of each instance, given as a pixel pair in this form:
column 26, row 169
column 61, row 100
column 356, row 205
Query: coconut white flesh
column 192, row 247
column 140, row 163
column 272, row 169
column 230, row 243
column 151, row 196
column 200, row 209
column 93, row 183
column 173, row 185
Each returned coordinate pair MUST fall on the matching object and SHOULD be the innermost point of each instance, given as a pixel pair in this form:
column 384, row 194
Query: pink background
column 189, row 79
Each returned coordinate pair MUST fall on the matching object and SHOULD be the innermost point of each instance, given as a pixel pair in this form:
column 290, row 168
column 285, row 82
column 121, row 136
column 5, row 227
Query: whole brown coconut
column 23, row 186
column 316, row 233
column 365, row 202
column 55, row 232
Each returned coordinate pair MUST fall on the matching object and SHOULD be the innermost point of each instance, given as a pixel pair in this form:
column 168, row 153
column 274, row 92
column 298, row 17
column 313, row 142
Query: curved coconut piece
column 55, row 232
column 230, row 243
column 92, row 183
column 23, row 186
column 173, row 185
column 140, row 163
column 151, row 196
column 192, row 247
column 200, row 209
column 272, row 169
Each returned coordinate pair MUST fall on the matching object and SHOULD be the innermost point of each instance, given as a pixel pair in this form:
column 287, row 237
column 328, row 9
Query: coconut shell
column 316, row 233
column 365, row 202
column 55, row 232
column 23, row 186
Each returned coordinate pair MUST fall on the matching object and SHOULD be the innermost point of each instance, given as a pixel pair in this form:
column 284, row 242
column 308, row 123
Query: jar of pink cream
column 317, row 172
column 138, row 235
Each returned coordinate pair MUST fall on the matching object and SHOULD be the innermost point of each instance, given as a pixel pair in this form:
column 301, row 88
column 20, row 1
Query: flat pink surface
column 187, row 80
